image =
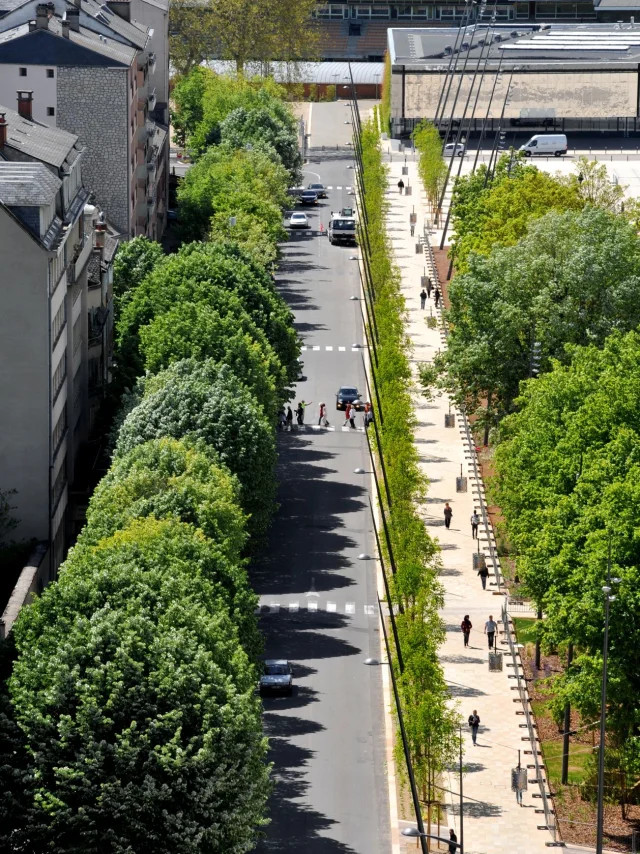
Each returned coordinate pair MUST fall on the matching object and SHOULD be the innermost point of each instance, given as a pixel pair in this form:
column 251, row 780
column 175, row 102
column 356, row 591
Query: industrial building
column 581, row 77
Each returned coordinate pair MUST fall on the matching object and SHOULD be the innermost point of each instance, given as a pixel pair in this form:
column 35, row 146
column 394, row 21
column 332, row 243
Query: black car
column 319, row 189
column 277, row 677
column 348, row 394
column 308, row 197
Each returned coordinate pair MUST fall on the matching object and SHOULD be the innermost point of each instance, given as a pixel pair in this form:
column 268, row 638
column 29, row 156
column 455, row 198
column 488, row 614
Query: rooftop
column 132, row 31
column 42, row 142
column 27, row 185
column 331, row 73
column 559, row 45
column 49, row 47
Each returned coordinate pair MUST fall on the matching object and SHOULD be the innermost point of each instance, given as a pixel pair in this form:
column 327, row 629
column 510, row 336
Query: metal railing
column 523, row 695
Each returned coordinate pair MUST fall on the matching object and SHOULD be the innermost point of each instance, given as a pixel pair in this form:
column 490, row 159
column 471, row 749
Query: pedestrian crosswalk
column 329, row 348
column 348, row 189
column 329, row 428
column 312, row 605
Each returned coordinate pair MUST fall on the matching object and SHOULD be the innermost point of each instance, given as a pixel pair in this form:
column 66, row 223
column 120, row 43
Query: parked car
column 348, row 394
column 277, row 677
column 319, row 189
column 448, row 149
column 309, row 197
column 298, row 220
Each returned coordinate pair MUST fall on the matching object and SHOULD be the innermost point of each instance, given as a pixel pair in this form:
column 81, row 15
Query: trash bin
column 418, row 248
column 405, row 170
column 413, row 218
column 461, row 486
column 407, row 191
column 479, row 561
column 449, row 419
column 495, row 661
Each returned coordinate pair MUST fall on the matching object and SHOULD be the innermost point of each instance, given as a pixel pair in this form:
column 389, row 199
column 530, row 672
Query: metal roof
column 548, row 45
column 331, row 73
column 132, row 31
column 49, row 47
column 27, row 185
column 42, row 142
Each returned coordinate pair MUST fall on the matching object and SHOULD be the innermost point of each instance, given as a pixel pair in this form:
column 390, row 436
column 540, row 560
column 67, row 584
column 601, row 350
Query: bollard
column 407, row 191
column 405, row 170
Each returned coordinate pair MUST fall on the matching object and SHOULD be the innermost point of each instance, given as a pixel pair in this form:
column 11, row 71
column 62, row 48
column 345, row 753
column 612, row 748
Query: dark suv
column 308, row 197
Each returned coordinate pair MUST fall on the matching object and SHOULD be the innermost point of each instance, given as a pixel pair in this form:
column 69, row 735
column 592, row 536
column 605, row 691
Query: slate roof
column 42, row 142
column 132, row 31
column 7, row 6
column 27, row 185
column 18, row 46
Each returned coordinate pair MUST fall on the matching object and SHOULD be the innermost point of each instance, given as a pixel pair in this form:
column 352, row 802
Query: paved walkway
column 494, row 823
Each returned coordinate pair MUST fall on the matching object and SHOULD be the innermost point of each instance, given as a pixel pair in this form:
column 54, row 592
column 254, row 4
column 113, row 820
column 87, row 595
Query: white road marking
column 274, row 607
column 303, row 348
column 341, row 349
column 350, row 608
column 338, row 188
column 331, row 607
column 328, row 349
column 369, row 610
column 312, row 606
column 316, row 348
column 293, row 607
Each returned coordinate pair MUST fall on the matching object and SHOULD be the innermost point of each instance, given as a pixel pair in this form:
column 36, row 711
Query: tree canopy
column 568, row 484
column 204, row 400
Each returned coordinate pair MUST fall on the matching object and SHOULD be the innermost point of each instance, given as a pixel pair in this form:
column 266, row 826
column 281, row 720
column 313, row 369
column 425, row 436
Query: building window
column 59, row 322
column 59, row 432
column 23, row 72
column 58, row 486
column 59, row 376
column 51, row 111
column 50, row 72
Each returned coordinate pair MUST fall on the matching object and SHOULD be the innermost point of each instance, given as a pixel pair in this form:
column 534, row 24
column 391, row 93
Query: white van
column 546, row 143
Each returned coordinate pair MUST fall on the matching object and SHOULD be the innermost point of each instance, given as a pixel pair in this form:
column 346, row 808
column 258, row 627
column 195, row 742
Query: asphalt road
column 318, row 599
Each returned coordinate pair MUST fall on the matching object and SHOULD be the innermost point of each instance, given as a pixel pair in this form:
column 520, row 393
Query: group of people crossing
column 286, row 415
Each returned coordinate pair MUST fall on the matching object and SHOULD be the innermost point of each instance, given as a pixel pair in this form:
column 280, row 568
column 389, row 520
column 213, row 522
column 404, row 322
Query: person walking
column 466, row 627
column 300, row 414
column 474, row 723
column 475, row 521
column 412, row 228
column 400, row 186
column 437, row 296
column 347, row 414
column 352, row 415
column 282, row 419
column 302, row 406
column 322, row 415
column 490, row 629
column 368, row 415
column 429, row 286
column 289, row 419
column 448, row 513
column 423, row 298
column 483, row 572
column 453, row 841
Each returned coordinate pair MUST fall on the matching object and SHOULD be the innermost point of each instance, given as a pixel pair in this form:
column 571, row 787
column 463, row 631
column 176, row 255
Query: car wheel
column 558, row 153
column 290, row 691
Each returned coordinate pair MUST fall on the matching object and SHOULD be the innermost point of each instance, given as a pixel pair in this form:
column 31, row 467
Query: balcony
column 82, row 254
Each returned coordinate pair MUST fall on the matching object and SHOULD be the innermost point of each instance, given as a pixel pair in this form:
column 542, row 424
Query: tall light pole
column 603, row 710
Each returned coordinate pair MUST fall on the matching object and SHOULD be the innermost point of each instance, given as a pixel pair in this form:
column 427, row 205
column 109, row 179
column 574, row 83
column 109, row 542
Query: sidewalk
column 494, row 823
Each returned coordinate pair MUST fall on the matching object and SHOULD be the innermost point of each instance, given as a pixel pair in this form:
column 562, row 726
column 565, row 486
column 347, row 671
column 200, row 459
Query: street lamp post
column 603, row 709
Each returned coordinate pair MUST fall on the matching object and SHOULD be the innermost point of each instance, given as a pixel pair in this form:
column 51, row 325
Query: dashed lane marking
column 314, row 607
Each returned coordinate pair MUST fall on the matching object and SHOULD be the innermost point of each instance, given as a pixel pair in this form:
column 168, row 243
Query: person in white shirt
column 490, row 629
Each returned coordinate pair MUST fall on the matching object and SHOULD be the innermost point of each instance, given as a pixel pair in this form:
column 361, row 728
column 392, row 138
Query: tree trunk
column 487, row 423
column 567, row 727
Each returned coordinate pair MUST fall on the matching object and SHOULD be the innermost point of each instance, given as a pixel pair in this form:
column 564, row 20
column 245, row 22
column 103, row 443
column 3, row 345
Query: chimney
column 25, row 103
column 3, row 131
column 73, row 17
column 65, row 29
column 42, row 17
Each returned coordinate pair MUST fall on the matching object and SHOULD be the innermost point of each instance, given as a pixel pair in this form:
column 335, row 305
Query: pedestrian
column 437, row 296
column 413, row 229
column 475, row 521
column 423, row 298
column 466, row 627
column 490, row 629
column 368, row 415
column 429, row 286
column 302, row 406
column 400, row 186
column 483, row 572
column 352, row 414
column 289, row 419
column 347, row 414
column 474, row 723
column 322, row 415
column 300, row 414
column 453, row 841
column 448, row 513
column 282, row 419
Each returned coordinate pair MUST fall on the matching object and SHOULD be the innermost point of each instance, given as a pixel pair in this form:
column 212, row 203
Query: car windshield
column 299, row 216
column 348, row 390
column 343, row 224
column 309, row 193
column 276, row 669
column 316, row 186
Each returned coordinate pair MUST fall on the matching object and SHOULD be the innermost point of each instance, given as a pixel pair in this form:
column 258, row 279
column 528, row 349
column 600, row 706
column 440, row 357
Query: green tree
column 594, row 186
column 500, row 213
column 431, row 167
column 138, row 707
column 192, row 35
column 188, row 91
column 260, row 128
column 249, row 230
column 221, row 275
column 568, row 484
column 232, row 182
column 206, row 401
column 134, row 260
column 573, row 279
column 199, row 331
column 169, row 479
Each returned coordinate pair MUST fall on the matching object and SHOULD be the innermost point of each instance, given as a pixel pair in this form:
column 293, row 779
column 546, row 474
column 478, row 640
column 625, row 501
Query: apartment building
column 94, row 81
column 55, row 321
